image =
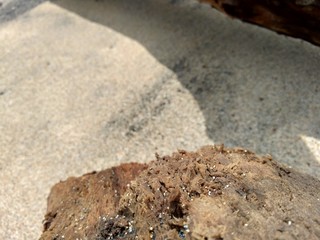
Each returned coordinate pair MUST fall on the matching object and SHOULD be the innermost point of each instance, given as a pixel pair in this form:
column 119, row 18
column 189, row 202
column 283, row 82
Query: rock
column 297, row 18
column 76, row 205
column 214, row 193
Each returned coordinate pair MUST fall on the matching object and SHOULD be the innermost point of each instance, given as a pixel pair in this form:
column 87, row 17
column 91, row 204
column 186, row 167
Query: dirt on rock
column 214, row 193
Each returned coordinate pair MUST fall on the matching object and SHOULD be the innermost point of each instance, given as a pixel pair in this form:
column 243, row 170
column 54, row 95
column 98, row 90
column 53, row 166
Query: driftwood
column 296, row 18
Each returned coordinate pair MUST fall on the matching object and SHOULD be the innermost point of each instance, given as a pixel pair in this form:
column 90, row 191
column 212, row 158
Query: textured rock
column 75, row 205
column 214, row 193
column 297, row 18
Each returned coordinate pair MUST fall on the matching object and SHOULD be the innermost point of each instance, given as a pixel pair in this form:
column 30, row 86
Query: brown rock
column 75, row 205
column 214, row 193
column 297, row 18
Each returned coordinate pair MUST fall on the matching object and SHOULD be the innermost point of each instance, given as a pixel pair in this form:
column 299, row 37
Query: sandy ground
column 85, row 85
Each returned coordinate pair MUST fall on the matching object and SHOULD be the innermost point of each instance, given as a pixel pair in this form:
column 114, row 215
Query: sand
column 86, row 85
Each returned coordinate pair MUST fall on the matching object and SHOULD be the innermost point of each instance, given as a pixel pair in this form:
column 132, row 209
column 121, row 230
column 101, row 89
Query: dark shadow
column 254, row 89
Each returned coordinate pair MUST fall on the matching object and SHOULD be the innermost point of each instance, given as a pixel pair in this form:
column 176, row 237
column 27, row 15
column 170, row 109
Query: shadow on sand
column 255, row 89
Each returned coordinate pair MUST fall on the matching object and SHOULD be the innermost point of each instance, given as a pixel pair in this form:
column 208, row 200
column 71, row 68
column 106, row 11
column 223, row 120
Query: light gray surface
column 85, row 85
column 10, row 9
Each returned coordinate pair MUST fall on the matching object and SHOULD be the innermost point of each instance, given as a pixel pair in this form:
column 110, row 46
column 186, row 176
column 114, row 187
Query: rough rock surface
column 214, row 193
column 74, row 205
column 297, row 18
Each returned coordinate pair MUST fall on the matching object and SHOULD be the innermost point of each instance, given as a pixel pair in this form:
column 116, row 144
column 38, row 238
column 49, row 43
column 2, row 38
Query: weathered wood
column 296, row 18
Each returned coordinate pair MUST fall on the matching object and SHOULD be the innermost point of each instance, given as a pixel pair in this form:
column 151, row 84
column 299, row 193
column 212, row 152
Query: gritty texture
column 10, row 9
column 86, row 85
column 298, row 18
column 214, row 193
column 74, row 204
